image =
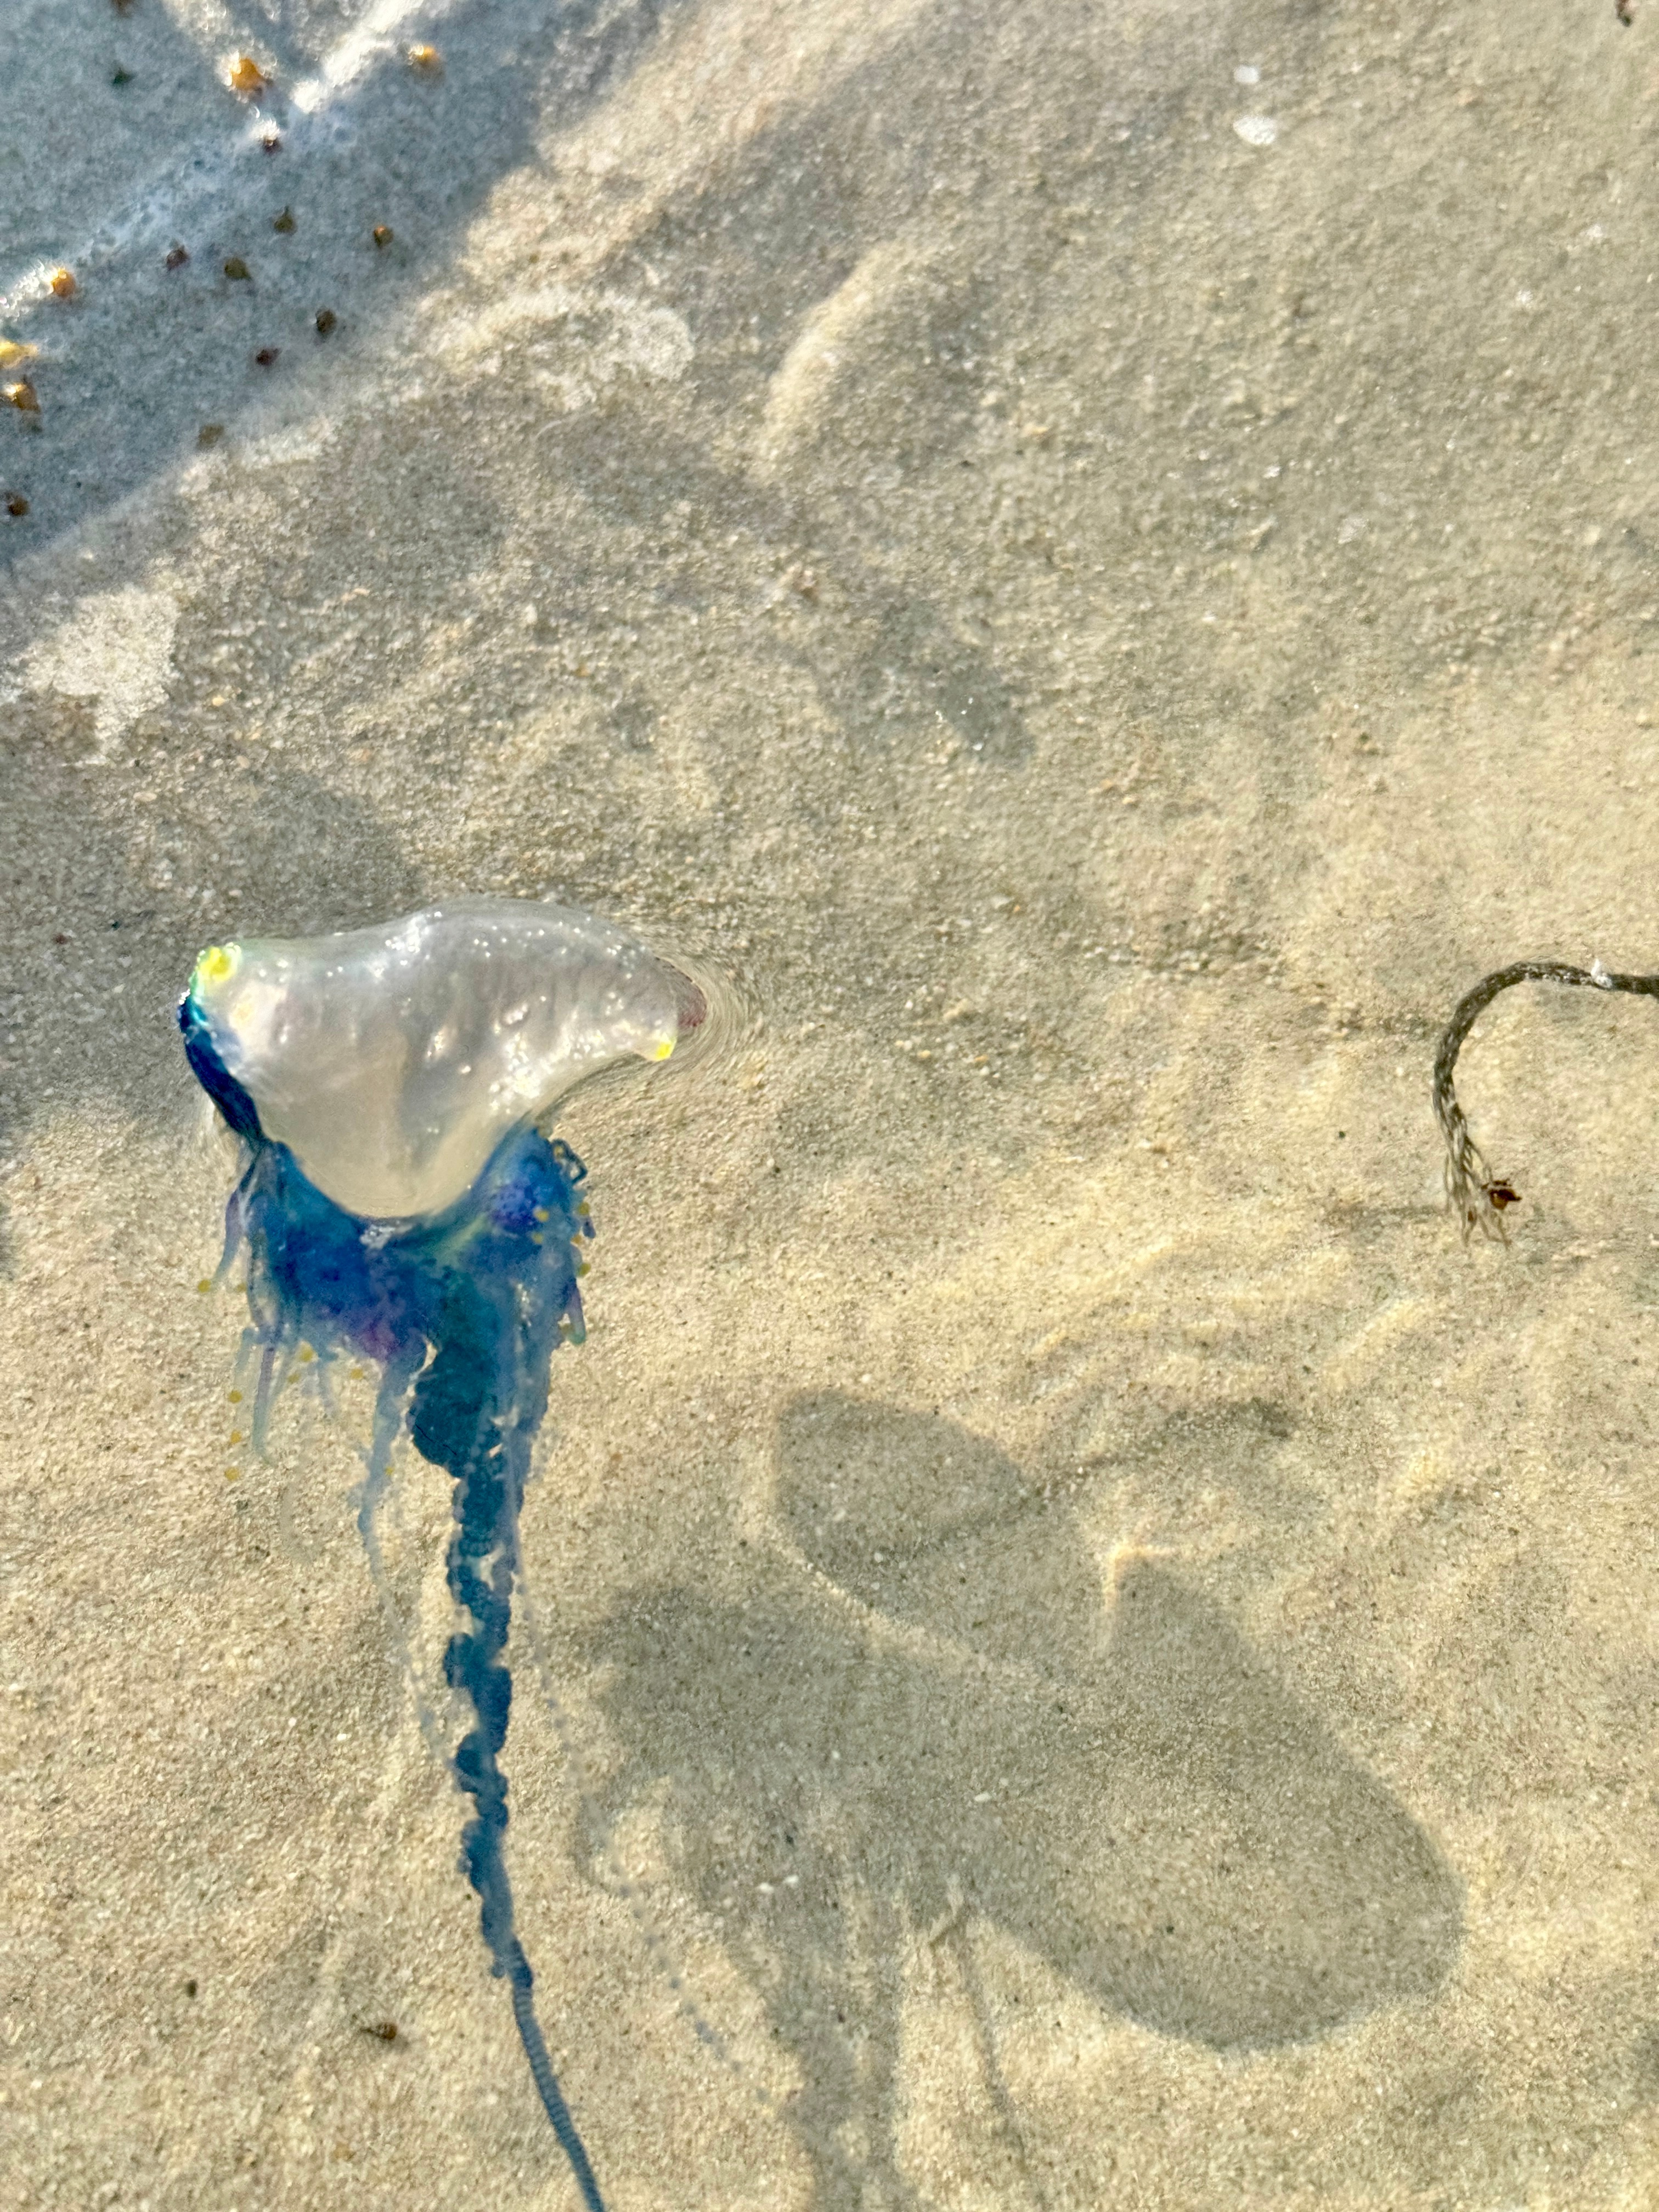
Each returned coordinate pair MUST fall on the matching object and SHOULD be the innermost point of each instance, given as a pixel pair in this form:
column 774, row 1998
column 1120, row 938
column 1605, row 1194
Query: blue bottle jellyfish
column 399, row 1203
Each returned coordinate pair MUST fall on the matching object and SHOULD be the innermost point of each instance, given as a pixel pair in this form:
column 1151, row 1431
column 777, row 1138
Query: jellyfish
column 400, row 1203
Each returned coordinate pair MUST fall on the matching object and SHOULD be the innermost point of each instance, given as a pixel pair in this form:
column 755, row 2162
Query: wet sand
column 1100, row 1655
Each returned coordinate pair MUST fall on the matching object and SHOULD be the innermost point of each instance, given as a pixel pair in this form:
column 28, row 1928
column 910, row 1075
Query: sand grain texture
column 1114, row 1657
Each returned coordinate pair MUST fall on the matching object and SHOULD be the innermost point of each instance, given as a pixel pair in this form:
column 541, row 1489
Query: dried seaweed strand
column 1474, row 1193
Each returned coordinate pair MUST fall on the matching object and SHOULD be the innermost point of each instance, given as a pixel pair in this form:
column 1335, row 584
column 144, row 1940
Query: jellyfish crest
column 393, row 1060
column 400, row 1203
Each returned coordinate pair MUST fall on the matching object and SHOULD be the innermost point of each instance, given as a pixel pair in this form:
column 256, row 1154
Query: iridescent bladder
column 391, row 1061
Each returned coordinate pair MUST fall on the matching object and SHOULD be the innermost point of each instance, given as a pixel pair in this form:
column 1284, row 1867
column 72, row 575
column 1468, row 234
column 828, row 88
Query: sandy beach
column 1103, row 565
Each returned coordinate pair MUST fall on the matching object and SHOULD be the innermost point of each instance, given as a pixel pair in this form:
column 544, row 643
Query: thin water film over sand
column 1072, row 1640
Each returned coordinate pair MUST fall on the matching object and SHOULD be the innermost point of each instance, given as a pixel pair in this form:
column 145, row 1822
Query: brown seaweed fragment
column 1479, row 1197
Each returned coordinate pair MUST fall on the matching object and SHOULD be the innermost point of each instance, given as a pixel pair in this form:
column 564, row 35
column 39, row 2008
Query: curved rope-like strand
column 1474, row 1193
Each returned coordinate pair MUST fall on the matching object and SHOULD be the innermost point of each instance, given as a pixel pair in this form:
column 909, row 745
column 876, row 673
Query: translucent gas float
column 400, row 1203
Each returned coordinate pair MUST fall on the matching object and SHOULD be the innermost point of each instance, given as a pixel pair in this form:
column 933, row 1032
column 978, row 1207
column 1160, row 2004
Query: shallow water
column 1099, row 1653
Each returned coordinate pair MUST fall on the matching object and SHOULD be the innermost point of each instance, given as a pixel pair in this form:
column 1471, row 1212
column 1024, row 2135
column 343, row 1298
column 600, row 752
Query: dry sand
column 1114, row 1659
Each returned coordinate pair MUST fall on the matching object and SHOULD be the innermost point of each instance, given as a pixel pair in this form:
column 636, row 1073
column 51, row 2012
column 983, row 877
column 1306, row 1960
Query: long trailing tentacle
column 1477, row 1196
column 463, row 1418
column 475, row 1411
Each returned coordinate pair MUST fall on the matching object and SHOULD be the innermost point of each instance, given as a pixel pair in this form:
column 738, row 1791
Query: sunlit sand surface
column 1094, row 1652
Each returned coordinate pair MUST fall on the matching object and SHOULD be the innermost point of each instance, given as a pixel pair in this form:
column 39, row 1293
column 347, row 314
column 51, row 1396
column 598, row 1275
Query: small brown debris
column 122, row 6
column 245, row 77
column 64, row 286
column 325, row 321
column 266, row 356
column 284, row 223
column 427, row 58
column 11, row 353
column 21, row 396
column 210, row 433
column 383, row 233
column 237, row 270
column 1621, row 8
column 177, row 256
column 190, row 1987
column 16, row 504
column 386, row 2029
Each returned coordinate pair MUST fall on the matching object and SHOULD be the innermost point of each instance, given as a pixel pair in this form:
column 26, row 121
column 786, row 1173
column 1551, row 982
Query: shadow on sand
column 1127, row 1793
